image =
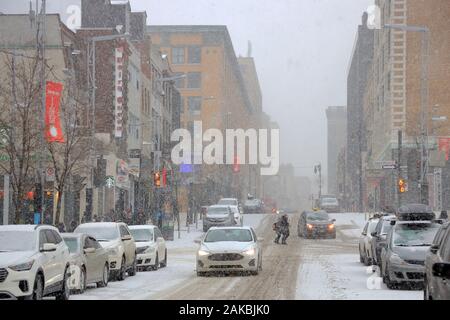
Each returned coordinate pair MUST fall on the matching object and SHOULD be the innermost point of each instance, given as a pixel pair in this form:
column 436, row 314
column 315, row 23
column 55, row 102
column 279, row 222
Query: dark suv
column 437, row 267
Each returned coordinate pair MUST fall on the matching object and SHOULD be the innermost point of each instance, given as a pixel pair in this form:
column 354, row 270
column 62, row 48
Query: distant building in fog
column 337, row 137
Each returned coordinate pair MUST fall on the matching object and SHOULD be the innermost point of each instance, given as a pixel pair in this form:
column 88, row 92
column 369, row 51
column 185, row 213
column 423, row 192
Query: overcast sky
column 302, row 50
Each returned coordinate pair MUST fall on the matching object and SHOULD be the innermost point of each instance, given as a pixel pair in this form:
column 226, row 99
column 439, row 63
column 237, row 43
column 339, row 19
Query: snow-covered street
column 305, row 269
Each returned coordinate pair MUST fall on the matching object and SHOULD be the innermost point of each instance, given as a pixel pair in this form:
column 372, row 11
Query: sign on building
column 118, row 101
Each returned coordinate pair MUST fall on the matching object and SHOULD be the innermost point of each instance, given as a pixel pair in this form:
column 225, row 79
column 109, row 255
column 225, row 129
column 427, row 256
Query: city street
column 304, row 269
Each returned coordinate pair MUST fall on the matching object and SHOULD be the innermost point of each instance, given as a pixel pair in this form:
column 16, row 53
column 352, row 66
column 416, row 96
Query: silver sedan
column 89, row 261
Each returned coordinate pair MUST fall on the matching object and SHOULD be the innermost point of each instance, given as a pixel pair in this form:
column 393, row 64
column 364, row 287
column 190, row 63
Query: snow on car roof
column 99, row 224
column 144, row 226
column 230, row 228
column 71, row 235
column 24, row 227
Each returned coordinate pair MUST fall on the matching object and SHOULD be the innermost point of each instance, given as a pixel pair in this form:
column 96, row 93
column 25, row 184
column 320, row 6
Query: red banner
column 53, row 131
column 444, row 146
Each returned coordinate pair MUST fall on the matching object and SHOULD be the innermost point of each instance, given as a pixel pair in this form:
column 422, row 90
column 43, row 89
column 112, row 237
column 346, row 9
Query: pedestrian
column 73, row 225
column 281, row 227
column 61, row 227
column 444, row 215
column 95, row 218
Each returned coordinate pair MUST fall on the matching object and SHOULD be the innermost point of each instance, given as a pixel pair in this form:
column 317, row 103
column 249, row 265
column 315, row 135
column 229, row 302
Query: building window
column 178, row 55
column 180, row 83
column 194, row 55
column 194, row 80
column 195, row 105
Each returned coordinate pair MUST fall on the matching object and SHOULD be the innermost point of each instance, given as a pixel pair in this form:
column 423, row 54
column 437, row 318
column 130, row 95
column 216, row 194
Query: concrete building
column 393, row 96
column 337, row 138
column 360, row 64
column 213, row 92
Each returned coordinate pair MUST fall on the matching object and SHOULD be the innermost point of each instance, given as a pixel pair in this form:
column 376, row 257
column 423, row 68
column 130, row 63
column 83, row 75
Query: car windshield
column 72, row 243
column 227, row 202
column 142, row 235
column 217, row 211
column 100, row 233
column 228, row 235
column 251, row 202
column 414, row 234
column 17, row 241
column 318, row 216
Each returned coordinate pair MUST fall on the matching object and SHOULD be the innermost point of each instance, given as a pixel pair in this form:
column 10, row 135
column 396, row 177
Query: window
column 178, row 55
column 124, row 231
column 445, row 249
column 42, row 238
column 194, row 80
column 180, row 83
column 50, row 236
column 194, row 55
column 195, row 105
column 57, row 237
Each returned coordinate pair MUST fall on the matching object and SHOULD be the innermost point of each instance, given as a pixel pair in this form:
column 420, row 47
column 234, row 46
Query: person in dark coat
column 61, row 227
column 73, row 225
column 444, row 215
column 281, row 227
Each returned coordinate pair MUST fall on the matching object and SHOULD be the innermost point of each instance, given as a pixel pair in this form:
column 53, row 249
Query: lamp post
column 425, row 32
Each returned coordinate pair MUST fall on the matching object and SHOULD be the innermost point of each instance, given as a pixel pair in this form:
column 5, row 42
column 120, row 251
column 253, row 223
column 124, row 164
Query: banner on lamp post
column 53, row 131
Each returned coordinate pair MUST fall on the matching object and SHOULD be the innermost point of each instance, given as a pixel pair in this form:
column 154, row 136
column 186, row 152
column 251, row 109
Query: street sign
column 50, row 174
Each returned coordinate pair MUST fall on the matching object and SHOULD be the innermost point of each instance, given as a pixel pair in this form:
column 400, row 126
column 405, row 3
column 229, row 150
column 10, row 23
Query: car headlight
column 23, row 266
column 203, row 253
column 113, row 251
column 395, row 259
column 250, row 252
column 330, row 226
column 309, row 226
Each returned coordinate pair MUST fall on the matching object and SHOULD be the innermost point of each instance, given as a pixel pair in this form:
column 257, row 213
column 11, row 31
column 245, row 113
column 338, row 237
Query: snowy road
column 305, row 269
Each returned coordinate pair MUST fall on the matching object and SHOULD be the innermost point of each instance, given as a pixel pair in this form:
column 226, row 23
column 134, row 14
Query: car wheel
column 38, row 289
column 64, row 294
column 164, row 262
column 387, row 280
column 105, row 277
column 122, row 271
column 156, row 266
column 83, row 281
column 133, row 269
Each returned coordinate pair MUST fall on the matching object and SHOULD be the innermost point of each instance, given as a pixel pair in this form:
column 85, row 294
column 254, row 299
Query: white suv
column 34, row 262
column 116, row 238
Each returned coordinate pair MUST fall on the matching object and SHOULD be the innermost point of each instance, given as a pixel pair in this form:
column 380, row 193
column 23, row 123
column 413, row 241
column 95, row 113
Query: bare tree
column 20, row 94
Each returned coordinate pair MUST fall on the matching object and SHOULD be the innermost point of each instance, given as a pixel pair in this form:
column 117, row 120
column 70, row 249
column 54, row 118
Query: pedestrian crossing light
column 402, row 186
column 157, row 179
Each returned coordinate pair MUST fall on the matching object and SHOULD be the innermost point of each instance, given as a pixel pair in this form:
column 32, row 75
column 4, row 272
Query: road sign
column 50, row 174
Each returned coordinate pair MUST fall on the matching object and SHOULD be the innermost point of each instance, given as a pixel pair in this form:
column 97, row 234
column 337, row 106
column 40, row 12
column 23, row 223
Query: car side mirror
column 126, row 238
column 434, row 248
column 373, row 234
column 363, row 234
column 89, row 250
column 441, row 270
column 334, row 220
column 48, row 247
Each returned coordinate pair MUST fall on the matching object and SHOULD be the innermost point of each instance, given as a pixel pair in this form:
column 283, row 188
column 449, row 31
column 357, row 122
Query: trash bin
column 168, row 230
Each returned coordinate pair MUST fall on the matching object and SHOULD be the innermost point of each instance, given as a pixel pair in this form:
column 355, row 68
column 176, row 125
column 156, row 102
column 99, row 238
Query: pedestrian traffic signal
column 157, row 179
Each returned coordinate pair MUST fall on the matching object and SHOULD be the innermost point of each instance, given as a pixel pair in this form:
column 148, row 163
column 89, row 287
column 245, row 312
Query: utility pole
column 399, row 167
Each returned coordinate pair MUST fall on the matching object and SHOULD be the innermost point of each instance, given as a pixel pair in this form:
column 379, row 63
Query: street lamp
column 425, row 32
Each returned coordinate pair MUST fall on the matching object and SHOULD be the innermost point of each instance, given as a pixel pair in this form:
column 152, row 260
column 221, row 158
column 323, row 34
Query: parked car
column 379, row 237
column 229, row 249
column 437, row 267
column 366, row 255
column 116, row 238
column 314, row 224
column 88, row 261
column 329, row 204
column 219, row 216
column 150, row 247
column 253, row 206
column 403, row 254
column 238, row 218
column 34, row 263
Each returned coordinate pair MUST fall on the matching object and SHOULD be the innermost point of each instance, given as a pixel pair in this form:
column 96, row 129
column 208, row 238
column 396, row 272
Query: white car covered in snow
column 34, row 262
column 150, row 247
column 229, row 249
column 118, row 242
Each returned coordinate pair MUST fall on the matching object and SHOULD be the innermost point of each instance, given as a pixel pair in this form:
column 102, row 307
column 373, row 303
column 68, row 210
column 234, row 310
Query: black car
column 253, row 206
column 316, row 224
column 437, row 267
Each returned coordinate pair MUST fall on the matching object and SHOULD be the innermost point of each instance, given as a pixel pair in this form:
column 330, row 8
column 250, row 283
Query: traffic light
column 157, row 179
column 401, row 186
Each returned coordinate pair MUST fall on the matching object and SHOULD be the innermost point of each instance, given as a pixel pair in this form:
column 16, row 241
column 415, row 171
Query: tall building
column 213, row 91
column 337, row 138
column 360, row 63
column 393, row 99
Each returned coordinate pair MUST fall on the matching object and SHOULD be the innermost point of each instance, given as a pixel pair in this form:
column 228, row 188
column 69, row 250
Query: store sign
column 122, row 173
column 118, row 101
column 444, row 146
column 134, row 167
